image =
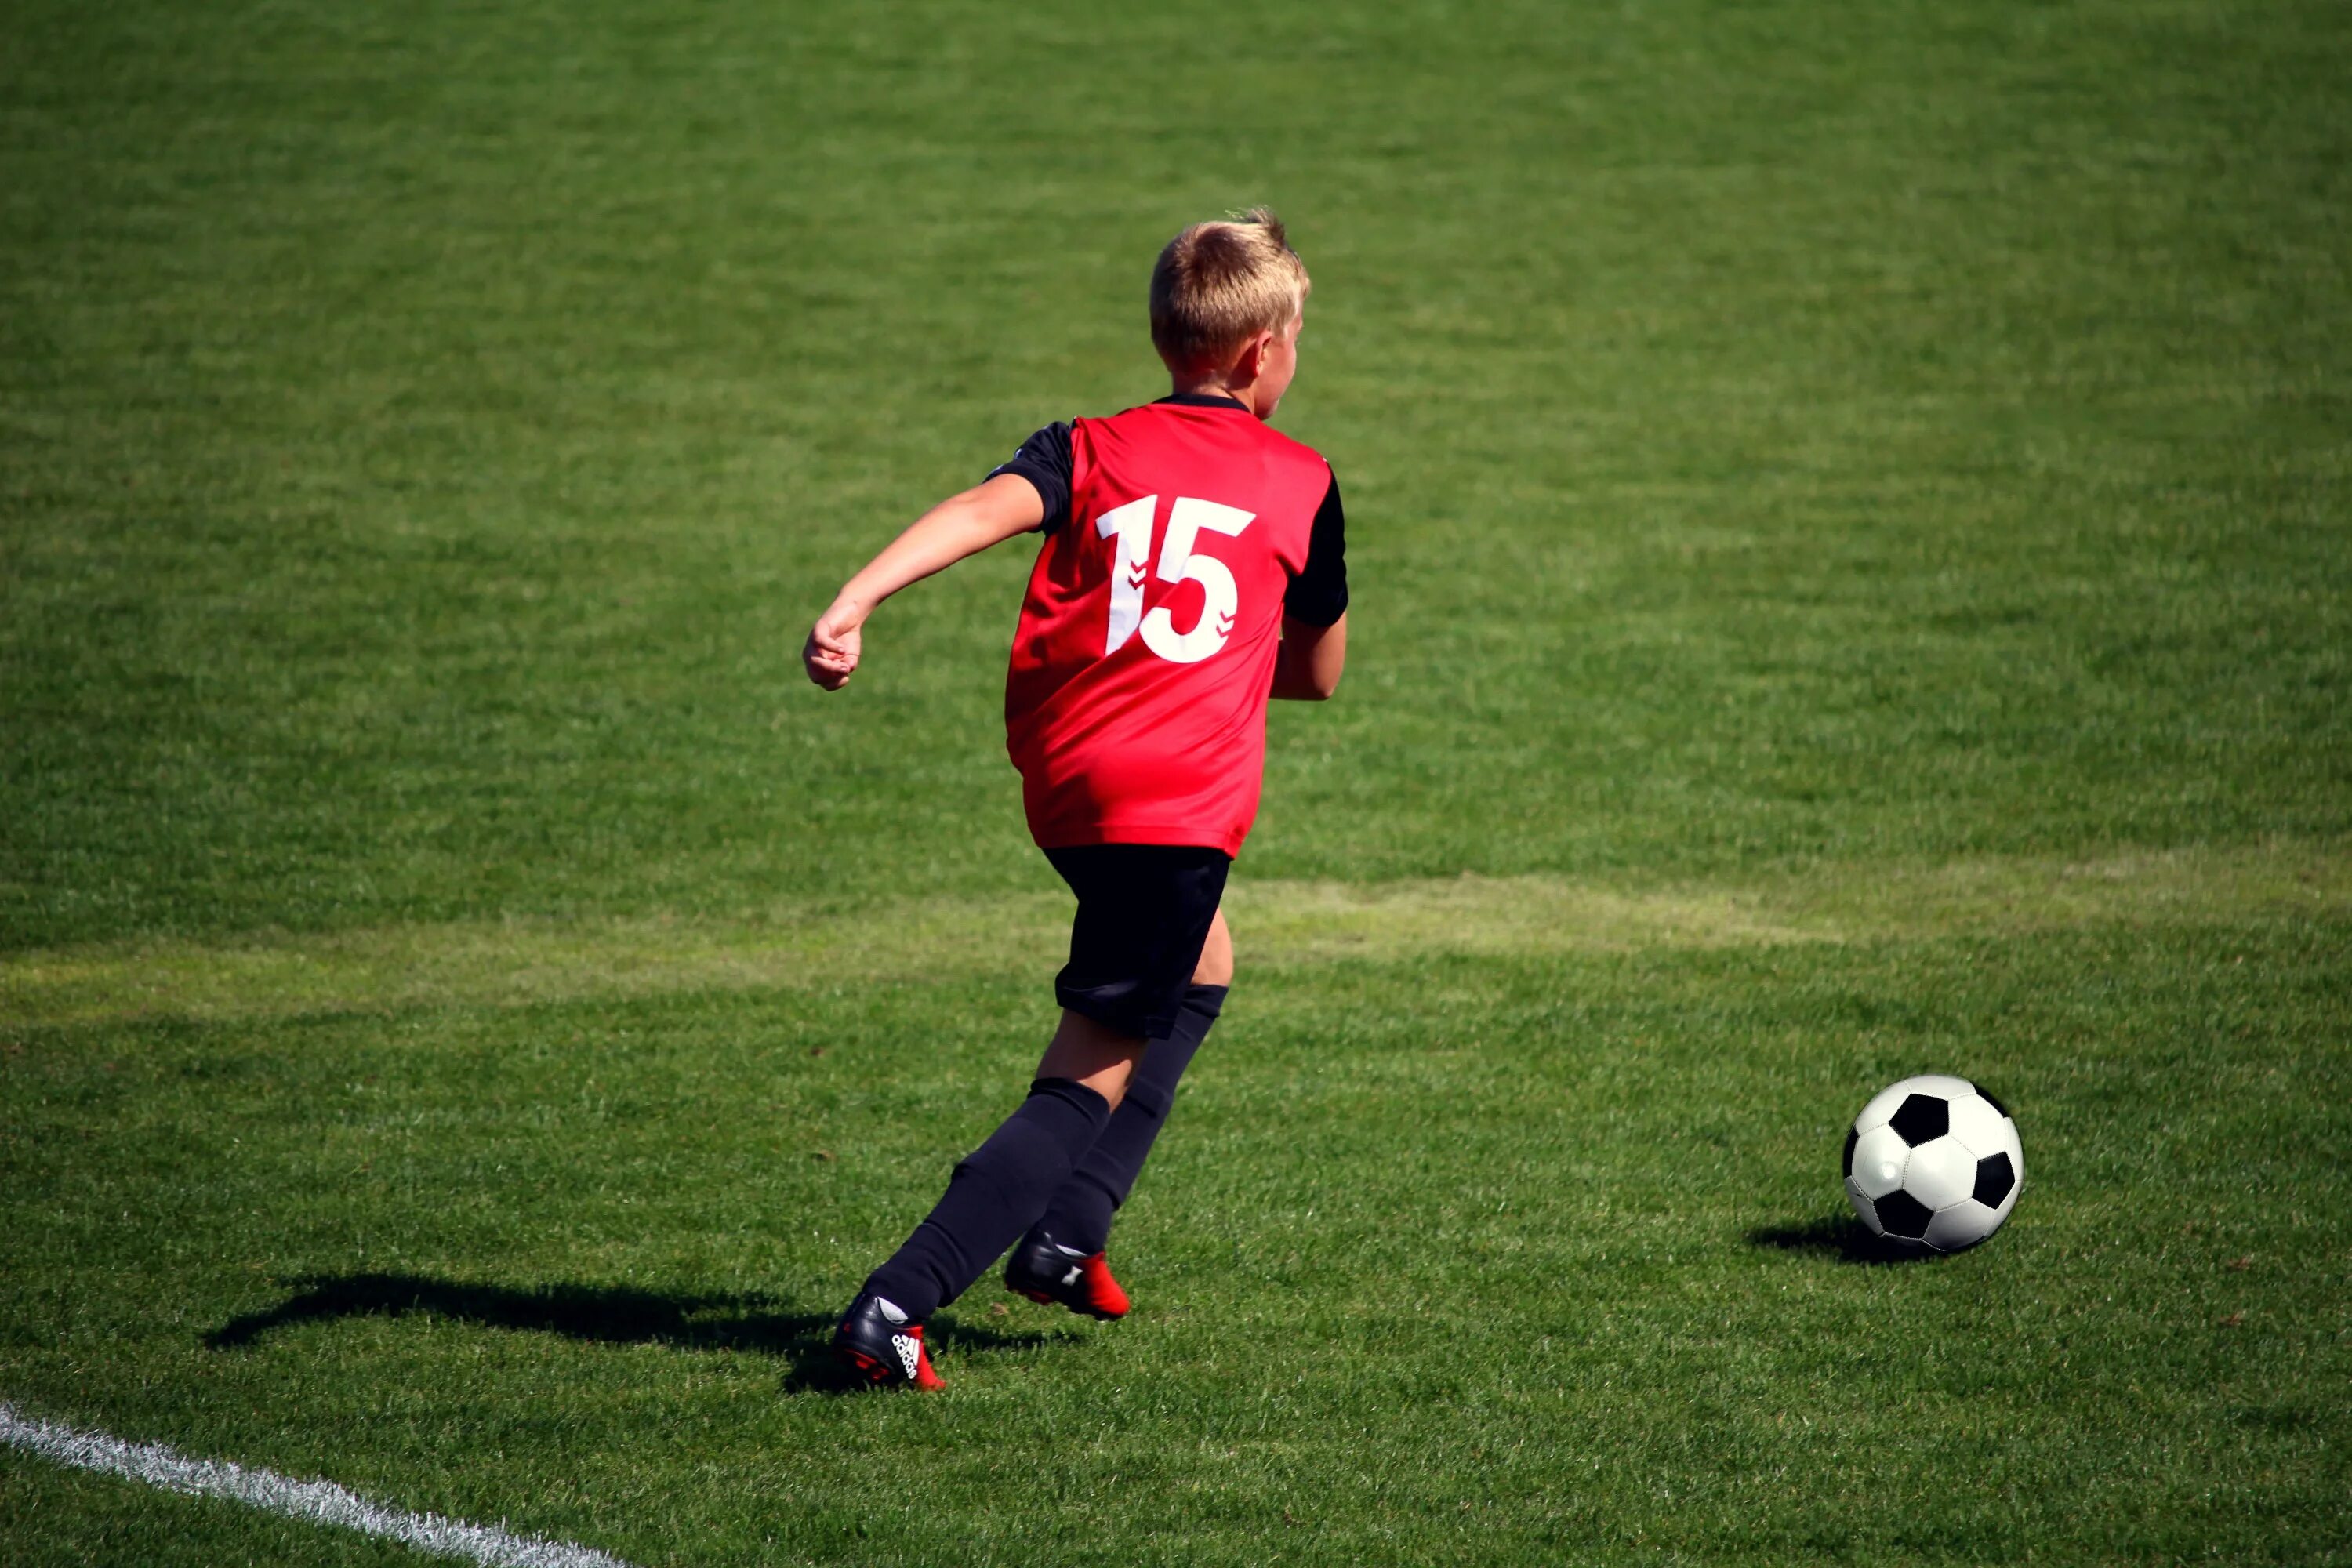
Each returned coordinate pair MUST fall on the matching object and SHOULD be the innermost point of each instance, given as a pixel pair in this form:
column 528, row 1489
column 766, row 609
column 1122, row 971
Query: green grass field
column 1852, row 538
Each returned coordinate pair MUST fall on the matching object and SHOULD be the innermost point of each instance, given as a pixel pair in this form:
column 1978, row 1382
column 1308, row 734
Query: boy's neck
column 1213, row 385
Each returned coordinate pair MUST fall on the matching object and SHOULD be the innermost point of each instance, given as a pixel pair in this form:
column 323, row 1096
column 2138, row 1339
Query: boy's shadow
column 605, row 1314
column 1847, row 1240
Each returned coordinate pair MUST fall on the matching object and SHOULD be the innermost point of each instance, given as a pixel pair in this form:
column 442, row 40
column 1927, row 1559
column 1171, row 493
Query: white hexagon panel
column 1978, row 1123
column 1940, row 1174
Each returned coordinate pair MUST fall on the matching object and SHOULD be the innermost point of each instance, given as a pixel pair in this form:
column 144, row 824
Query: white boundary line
column 321, row 1502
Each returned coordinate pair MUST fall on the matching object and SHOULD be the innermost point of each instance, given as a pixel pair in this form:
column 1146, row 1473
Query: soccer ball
column 1933, row 1164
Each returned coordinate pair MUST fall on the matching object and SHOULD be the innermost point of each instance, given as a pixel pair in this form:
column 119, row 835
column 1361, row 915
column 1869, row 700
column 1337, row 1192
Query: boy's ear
column 1251, row 358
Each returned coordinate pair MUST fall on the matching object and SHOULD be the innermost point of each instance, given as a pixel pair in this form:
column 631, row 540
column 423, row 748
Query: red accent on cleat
column 1046, row 1271
column 1094, row 1293
column 1103, row 1295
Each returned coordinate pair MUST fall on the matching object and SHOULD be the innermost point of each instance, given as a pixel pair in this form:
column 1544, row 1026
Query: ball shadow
column 1846, row 1239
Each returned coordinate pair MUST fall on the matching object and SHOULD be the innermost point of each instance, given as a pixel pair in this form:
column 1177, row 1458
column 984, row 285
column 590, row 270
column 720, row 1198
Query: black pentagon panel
column 1922, row 1119
column 1989, row 1098
column 1996, row 1178
column 1904, row 1214
column 1845, row 1161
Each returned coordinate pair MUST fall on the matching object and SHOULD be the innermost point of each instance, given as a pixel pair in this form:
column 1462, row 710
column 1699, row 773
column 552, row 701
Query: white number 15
column 1130, row 524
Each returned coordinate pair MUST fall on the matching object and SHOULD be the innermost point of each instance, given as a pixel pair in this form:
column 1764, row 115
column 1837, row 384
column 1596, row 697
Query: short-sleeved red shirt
column 1136, row 704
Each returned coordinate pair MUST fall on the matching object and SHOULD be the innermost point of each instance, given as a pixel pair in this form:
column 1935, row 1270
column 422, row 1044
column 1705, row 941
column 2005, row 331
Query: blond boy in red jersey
column 1194, row 566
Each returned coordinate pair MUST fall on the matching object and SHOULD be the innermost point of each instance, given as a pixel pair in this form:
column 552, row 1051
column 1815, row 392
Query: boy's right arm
column 961, row 526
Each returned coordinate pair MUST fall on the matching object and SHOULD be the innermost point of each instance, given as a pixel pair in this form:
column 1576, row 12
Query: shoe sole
column 880, row 1374
column 1047, row 1299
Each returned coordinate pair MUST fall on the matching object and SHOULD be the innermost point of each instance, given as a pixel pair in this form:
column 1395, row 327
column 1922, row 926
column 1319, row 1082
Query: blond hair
column 1217, row 285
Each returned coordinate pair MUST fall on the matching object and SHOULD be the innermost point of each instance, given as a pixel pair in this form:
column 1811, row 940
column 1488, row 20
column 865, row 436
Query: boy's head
column 1229, row 295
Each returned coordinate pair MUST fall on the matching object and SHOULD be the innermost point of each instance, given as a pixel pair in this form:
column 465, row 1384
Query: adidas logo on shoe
column 880, row 1342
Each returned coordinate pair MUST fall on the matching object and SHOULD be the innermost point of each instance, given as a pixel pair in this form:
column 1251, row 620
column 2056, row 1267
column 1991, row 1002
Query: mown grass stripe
column 1277, row 923
column 321, row 1502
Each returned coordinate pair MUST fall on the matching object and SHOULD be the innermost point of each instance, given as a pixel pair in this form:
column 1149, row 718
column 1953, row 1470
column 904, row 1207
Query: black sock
column 1080, row 1214
column 995, row 1194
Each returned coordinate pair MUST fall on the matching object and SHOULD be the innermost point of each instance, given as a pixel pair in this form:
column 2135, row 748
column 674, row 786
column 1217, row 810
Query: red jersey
column 1176, row 537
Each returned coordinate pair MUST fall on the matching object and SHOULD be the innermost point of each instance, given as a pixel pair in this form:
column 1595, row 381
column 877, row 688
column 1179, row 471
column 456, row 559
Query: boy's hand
column 961, row 526
column 830, row 655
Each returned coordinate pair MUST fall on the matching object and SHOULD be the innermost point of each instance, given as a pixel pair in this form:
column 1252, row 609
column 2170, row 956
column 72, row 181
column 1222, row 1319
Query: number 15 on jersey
column 1130, row 525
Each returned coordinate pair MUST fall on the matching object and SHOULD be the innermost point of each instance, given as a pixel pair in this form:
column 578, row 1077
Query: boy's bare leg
column 1216, row 965
column 1092, row 1054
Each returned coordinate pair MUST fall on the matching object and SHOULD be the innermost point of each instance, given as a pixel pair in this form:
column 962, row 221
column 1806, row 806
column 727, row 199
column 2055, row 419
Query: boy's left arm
column 1307, row 668
column 966, row 524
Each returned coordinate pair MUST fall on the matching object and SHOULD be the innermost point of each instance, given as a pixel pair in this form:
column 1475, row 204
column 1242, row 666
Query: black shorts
column 1144, row 913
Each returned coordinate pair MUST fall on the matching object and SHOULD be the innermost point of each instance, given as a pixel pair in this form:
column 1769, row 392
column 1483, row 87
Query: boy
column 1194, row 566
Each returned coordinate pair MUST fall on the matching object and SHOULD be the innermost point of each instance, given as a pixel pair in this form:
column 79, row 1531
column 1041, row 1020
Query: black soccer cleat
column 883, row 1346
column 1044, row 1270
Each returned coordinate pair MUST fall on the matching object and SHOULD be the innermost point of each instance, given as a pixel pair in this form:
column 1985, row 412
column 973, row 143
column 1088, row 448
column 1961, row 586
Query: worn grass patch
column 1280, row 923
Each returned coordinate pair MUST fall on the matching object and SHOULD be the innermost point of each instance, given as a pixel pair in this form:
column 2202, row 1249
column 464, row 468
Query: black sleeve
column 1044, row 461
column 1318, row 595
